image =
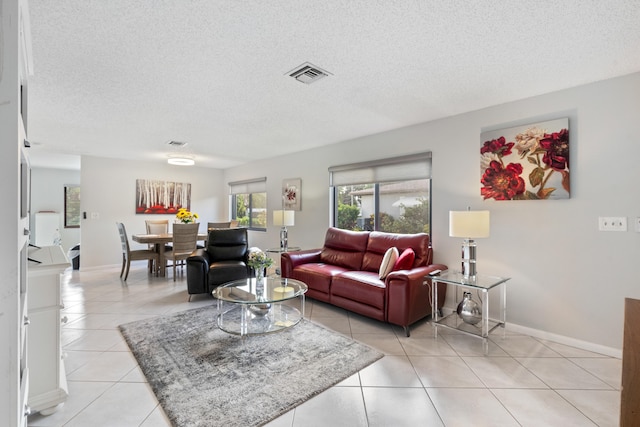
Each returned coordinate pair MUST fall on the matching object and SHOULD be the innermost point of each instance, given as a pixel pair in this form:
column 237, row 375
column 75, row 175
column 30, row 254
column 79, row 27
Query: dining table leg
column 161, row 260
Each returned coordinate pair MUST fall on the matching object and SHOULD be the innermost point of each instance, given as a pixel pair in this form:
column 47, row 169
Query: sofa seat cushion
column 362, row 286
column 317, row 276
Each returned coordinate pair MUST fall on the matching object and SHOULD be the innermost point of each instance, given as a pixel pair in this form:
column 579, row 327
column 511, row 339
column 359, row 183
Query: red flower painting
column 526, row 163
column 502, row 183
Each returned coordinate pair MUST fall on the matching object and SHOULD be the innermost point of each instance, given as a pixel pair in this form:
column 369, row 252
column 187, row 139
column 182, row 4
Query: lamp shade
column 469, row 224
column 283, row 218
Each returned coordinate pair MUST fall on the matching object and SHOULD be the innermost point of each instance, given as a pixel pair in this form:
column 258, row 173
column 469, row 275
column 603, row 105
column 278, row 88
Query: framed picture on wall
column 291, row 194
column 162, row 197
column 529, row 162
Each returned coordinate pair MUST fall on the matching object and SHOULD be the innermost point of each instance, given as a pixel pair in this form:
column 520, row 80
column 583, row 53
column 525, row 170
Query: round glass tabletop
column 270, row 289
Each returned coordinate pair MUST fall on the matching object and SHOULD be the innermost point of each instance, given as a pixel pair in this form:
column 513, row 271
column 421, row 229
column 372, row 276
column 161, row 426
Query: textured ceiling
column 121, row 78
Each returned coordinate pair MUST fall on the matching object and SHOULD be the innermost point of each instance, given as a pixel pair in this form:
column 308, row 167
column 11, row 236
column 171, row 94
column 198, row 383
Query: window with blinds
column 392, row 195
column 248, row 201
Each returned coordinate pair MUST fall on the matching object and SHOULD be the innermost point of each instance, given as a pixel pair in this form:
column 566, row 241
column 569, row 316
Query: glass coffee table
column 251, row 307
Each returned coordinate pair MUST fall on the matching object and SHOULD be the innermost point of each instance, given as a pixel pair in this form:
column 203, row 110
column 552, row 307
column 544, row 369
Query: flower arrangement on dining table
column 185, row 216
column 258, row 260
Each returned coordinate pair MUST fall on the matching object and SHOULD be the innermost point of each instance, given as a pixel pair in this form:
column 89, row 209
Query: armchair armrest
column 290, row 260
column 199, row 255
column 197, row 271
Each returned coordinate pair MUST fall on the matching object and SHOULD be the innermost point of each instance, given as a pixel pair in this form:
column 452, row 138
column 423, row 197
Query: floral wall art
column 162, row 197
column 291, row 196
column 528, row 162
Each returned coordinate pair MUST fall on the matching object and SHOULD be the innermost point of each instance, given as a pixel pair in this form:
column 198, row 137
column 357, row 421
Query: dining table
column 159, row 241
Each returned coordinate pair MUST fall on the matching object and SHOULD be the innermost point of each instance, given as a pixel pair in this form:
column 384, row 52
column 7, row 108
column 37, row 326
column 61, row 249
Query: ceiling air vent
column 176, row 143
column 308, row 73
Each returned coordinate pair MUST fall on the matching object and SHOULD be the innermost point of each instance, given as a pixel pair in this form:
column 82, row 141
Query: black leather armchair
column 223, row 259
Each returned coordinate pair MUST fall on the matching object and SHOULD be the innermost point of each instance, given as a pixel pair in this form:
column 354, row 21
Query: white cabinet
column 47, row 378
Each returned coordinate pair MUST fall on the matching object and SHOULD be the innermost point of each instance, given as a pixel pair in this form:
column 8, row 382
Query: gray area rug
column 205, row 377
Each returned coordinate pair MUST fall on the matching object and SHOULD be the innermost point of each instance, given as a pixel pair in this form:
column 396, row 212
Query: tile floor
column 421, row 381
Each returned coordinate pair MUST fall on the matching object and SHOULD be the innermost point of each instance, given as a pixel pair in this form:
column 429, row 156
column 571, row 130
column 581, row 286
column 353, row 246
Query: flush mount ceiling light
column 308, row 73
column 180, row 156
column 181, row 160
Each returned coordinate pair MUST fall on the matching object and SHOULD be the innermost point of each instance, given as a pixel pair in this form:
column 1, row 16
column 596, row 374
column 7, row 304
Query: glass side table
column 479, row 286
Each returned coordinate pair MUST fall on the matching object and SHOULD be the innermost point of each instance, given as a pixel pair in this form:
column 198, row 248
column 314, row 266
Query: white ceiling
column 121, row 78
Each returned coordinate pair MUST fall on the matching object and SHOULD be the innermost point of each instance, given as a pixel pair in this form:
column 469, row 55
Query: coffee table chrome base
column 238, row 319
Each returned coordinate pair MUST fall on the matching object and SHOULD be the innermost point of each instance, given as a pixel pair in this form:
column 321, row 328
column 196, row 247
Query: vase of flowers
column 186, row 217
column 258, row 261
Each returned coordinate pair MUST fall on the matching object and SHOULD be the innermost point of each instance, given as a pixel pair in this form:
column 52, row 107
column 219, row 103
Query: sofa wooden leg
column 406, row 331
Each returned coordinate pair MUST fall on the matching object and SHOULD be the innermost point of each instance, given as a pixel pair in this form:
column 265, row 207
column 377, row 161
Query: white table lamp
column 284, row 219
column 469, row 225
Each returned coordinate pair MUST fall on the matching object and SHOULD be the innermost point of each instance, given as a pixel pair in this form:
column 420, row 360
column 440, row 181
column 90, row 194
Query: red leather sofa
column 345, row 273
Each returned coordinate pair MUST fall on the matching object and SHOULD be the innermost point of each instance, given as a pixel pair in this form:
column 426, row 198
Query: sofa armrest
column 409, row 294
column 290, row 260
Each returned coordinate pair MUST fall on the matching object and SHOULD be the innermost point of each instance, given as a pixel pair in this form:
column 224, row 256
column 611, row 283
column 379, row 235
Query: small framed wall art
column 291, row 194
column 528, row 162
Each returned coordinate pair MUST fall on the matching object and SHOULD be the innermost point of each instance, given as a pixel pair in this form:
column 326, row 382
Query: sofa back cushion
column 226, row 244
column 379, row 242
column 345, row 248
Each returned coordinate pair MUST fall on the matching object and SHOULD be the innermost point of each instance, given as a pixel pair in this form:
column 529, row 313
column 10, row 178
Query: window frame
column 376, row 173
column 67, row 214
column 250, row 188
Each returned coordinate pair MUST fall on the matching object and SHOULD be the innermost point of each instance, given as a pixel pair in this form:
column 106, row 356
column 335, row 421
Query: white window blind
column 404, row 168
column 248, row 186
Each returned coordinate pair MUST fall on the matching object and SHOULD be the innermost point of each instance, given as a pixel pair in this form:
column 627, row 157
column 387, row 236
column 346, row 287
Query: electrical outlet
column 638, row 224
column 612, row 223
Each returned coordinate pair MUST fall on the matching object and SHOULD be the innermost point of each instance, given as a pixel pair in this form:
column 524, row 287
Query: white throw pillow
column 388, row 261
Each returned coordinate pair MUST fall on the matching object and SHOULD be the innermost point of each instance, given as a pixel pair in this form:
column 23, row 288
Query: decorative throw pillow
column 405, row 260
column 388, row 261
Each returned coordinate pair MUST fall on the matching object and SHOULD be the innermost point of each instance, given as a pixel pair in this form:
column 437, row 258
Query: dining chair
column 136, row 255
column 185, row 237
column 157, row 226
column 216, row 225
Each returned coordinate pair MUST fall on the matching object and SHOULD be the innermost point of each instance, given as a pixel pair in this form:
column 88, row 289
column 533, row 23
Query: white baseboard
column 560, row 339
column 104, row 267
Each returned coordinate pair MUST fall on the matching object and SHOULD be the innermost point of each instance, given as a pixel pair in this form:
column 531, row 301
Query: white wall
column 109, row 190
column 47, row 194
column 568, row 280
